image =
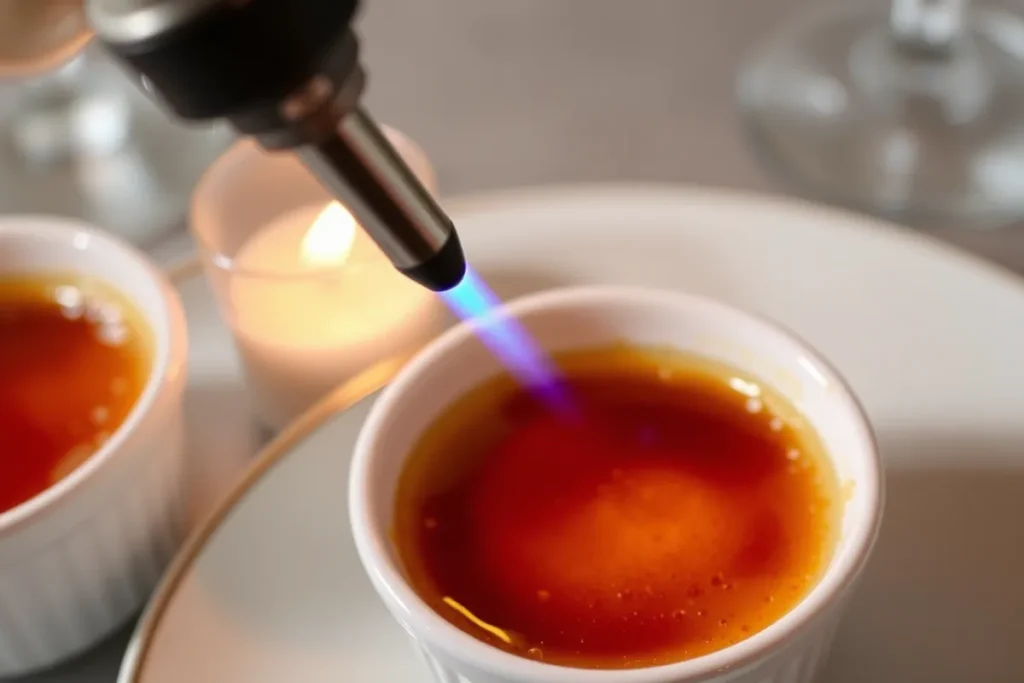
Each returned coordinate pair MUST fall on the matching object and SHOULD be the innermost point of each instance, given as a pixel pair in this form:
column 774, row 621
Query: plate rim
column 183, row 270
column 843, row 219
column 377, row 377
column 344, row 397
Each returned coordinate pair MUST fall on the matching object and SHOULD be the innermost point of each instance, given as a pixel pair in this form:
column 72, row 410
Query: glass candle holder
column 309, row 297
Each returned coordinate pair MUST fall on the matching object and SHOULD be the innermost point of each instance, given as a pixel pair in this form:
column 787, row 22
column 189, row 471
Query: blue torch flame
column 506, row 338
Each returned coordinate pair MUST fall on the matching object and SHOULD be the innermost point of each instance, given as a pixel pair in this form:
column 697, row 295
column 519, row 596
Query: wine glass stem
column 68, row 113
column 929, row 28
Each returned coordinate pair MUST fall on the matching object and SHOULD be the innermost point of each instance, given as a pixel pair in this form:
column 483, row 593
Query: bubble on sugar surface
column 754, row 405
column 742, row 386
column 100, row 414
column 112, row 334
column 108, row 318
column 718, row 581
column 776, row 424
column 102, row 312
column 71, row 301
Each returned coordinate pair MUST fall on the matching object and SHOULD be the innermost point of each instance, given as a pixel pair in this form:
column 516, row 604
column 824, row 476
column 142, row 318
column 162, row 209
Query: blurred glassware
column 914, row 111
column 83, row 140
column 39, row 35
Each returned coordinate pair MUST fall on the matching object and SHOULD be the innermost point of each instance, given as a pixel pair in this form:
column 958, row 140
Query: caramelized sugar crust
column 679, row 508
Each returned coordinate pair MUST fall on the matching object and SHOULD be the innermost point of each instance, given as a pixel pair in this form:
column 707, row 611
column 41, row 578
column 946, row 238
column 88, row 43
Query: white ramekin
column 791, row 650
column 80, row 558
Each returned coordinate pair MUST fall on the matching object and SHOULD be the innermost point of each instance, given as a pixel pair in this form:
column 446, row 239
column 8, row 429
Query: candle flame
column 329, row 240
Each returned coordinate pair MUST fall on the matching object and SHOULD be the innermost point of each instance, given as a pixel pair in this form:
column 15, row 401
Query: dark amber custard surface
column 677, row 508
column 74, row 358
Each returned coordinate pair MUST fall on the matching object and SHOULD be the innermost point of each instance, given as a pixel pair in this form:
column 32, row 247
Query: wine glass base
column 84, row 142
column 835, row 107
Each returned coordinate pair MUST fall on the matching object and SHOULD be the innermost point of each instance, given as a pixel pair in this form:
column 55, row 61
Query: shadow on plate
column 943, row 597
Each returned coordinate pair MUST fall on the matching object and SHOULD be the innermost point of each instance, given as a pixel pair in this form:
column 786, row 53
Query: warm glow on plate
column 329, row 240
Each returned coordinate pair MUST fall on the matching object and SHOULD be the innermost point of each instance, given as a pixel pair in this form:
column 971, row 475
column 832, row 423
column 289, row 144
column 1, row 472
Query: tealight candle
column 310, row 298
column 301, row 337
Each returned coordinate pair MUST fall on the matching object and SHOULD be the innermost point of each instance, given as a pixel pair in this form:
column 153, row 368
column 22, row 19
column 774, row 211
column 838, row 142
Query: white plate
column 222, row 435
column 270, row 590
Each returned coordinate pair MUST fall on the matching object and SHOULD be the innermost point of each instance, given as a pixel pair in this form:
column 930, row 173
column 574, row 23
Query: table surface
column 517, row 93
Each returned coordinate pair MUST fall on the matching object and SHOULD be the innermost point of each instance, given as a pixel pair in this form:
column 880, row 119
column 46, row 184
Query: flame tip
column 329, row 240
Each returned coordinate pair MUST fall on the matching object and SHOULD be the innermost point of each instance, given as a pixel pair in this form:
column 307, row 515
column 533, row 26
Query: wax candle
column 314, row 302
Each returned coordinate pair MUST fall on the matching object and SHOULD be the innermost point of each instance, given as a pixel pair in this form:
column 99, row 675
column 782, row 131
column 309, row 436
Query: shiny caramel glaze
column 680, row 508
column 74, row 358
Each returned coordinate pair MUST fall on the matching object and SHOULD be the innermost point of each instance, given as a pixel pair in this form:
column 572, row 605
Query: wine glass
column 914, row 111
column 40, row 35
column 78, row 138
